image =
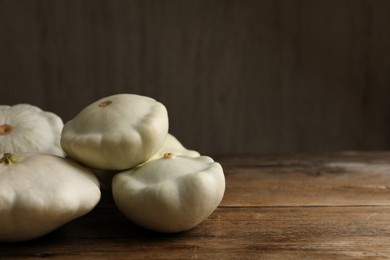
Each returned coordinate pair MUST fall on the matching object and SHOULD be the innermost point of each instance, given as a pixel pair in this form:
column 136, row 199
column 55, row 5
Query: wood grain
column 299, row 222
column 240, row 233
column 236, row 76
column 335, row 179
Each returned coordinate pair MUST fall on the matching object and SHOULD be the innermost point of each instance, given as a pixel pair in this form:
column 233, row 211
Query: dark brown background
column 235, row 76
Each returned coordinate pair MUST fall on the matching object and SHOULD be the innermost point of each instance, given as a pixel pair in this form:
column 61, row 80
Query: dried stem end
column 105, row 103
column 5, row 129
column 168, row 155
column 8, row 158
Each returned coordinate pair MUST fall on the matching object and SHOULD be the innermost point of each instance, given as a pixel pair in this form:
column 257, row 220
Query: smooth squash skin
column 117, row 132
column 26, row 128
column 171, row 144
column 171, row 194
column 41, row 192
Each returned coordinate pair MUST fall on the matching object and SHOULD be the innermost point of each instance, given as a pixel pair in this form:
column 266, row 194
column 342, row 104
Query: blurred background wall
column 236, row 76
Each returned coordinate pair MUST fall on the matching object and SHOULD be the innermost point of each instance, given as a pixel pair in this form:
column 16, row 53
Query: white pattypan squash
column 26, row 128
column 172, row 145
column 117, row 132
column 41, row 192
column 171, row 194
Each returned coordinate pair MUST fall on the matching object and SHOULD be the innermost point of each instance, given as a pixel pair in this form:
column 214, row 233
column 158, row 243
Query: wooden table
column 276, row 206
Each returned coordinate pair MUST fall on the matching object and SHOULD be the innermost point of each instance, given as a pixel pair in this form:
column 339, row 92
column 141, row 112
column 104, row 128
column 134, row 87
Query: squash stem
column 8, row 158
column 168, row 155
column 5, row 129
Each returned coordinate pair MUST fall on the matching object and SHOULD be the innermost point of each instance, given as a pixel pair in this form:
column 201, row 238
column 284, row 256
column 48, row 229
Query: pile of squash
column 51, row 173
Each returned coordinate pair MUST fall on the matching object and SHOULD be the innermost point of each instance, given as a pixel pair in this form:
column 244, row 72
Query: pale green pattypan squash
column 26, row 128
column 171, row 194
column 117, row 132
column 172, row 145
column 41, row 192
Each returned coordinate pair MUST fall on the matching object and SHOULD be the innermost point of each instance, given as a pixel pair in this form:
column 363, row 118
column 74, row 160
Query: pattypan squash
column 41, row 192
column 171, row 194
column 117, row 132
column 26, row 128
column 172, row 145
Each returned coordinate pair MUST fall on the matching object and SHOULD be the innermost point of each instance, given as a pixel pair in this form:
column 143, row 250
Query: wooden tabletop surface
column 331, row 206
